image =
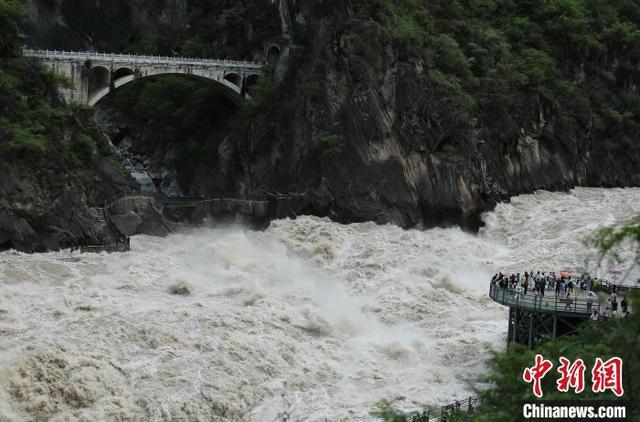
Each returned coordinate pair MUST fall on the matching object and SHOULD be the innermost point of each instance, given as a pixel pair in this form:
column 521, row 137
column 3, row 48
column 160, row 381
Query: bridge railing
column 550, row 302
column 140, row 59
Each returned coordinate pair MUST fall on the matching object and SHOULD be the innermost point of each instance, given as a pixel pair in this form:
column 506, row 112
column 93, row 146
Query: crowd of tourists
column 564, row 285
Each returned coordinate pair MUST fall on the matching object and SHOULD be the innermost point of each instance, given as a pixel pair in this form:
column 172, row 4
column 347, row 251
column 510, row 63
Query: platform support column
column 510, row 326
column 530, row 329
column 515, row 324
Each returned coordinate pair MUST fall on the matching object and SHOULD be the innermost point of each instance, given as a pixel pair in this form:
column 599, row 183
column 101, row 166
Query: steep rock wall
column 403, row 156
column 354, row 121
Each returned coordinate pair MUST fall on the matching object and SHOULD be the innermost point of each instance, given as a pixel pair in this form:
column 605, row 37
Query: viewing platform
column 533, row 317
column 574, row 304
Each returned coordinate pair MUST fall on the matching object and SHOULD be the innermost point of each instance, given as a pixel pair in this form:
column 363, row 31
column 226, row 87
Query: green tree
column 11, row 16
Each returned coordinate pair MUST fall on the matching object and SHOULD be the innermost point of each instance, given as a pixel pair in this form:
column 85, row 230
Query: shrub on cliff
column 26, row 90
column 11, row 16
column 330, row 144
column 34, row 123
column 510, row 67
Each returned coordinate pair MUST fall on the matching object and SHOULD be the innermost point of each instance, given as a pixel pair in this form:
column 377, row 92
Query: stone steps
column 109, row 237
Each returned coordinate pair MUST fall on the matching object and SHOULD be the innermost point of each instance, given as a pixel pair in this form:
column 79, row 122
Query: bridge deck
column 140, row 59
column 575, row 304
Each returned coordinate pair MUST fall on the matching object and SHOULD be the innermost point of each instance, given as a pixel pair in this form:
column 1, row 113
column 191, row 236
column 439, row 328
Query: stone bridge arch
column 99, row 78
column 231, row 84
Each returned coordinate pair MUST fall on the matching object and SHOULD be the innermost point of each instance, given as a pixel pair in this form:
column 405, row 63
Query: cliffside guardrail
column 253, row 207
column 260, row 208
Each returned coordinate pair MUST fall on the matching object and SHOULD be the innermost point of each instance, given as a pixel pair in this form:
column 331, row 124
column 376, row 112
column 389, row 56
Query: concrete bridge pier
column 77, row 92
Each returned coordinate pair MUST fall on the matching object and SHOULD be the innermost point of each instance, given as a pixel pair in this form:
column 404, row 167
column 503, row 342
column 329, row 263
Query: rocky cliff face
column 377, row 140
column 44, row 207
column 356, row 121
column 186, row 27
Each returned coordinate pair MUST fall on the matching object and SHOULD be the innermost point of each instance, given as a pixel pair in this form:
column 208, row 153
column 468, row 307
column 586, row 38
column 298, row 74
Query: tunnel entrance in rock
column 273, row 55
column 172, row 133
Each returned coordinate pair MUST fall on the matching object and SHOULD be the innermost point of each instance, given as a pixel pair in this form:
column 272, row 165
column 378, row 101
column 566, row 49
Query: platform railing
column 550, row 302
column 467, row 407
column 140, row 59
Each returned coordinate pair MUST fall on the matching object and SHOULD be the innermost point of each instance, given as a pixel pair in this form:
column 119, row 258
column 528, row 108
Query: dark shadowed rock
column 128, row 223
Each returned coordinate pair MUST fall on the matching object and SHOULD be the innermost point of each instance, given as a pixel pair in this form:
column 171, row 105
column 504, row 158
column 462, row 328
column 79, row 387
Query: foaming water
column 310, row 319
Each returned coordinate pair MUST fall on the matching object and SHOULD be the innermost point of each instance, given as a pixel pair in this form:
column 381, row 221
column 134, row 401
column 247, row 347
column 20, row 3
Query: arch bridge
column 94, row 75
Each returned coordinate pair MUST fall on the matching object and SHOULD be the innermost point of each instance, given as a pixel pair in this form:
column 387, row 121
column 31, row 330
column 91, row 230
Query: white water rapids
column 307, row 320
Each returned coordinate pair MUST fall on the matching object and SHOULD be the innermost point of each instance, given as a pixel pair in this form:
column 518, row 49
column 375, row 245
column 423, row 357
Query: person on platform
column 624, row 306
column 568, row 302
column 590, row 298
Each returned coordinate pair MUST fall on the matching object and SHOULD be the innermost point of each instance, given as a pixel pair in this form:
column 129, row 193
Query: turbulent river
column 307, row 320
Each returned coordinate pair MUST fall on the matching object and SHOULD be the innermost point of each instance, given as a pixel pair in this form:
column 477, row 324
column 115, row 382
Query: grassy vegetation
column 505, row 66
column 204, row 29
column 35, row 126
column 11, row 15
column 576, row 58
column 27, row 98
column 330, row 144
